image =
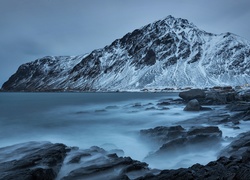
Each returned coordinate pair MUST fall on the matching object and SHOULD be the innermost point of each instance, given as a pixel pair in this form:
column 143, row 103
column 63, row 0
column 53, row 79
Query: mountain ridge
column 168, row 53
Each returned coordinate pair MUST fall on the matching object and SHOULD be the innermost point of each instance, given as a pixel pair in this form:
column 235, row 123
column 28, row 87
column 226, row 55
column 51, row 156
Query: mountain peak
column 168, row 53
column 170, row 20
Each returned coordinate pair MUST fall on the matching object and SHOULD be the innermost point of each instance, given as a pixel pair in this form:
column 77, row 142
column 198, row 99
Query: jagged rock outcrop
column 233, row 163
column 32, row 160
column 48, row 161
column 173, row 141
column 168, row 53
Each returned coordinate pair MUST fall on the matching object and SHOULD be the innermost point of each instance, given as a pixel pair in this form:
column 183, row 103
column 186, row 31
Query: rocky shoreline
column 45, row 160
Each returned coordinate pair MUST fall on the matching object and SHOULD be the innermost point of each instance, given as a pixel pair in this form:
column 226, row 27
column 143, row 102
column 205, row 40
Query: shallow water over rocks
column 113, row 121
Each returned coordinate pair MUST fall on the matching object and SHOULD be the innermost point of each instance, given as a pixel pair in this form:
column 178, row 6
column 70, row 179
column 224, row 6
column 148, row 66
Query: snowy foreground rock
column 169, row 53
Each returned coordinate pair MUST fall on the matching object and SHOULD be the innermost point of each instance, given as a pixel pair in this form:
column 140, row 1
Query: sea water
column 108, row 120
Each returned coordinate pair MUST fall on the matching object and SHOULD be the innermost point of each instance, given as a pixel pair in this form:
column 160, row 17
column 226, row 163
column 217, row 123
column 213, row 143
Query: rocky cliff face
column 167, row 53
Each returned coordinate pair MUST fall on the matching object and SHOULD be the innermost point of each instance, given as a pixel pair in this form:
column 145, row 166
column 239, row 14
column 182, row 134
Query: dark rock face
column 192, row 94
column 89, row 67
column 31, row 160
column 150, row 58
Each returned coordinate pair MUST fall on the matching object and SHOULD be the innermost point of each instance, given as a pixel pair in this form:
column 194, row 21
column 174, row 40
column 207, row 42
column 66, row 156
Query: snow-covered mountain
column 168, row 53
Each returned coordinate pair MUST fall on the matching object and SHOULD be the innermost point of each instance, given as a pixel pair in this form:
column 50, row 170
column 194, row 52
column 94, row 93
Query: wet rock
column 32, row 160
column 164, row 103
column 100, row 110
column 244, row 95
column 211, row 130
column 112, row 107
column 192, row 94
column 196, row 138
column 96, row 163
column 150, row 108
column 233, row 163
column 239, row 106
column 239, row 146
column 202, row 135
column 162, row 134
column 237, row 117
column 137, row 105
column 77, row 158
column 214, row 98
column 177, row 101
column 164, row 108
column 193, row 105
column 223, row 168
column 213, row 117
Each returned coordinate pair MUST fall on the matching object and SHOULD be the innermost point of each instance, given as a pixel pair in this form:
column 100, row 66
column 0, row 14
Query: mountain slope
column 167, row 53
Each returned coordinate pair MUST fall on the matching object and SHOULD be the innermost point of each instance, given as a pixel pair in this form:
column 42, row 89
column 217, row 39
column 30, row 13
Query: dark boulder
column 192, row 94
column 193, row 105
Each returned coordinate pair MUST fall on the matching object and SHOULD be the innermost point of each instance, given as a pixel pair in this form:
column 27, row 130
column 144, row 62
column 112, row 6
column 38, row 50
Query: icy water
column 108, row 120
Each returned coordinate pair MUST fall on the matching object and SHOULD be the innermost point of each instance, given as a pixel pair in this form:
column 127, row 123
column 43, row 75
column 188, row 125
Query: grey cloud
column 32, row 29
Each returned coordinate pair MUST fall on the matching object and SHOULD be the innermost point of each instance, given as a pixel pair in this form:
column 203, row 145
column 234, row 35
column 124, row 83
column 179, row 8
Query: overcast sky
column 31, row 29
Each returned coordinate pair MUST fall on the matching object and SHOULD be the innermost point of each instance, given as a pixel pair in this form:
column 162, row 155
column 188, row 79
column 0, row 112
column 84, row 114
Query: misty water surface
column 108, row 120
